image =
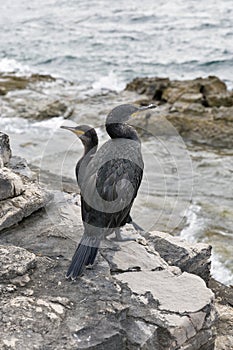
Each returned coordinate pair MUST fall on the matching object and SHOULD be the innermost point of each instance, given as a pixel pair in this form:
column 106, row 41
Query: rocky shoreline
column 156, row 293
column 201, row 110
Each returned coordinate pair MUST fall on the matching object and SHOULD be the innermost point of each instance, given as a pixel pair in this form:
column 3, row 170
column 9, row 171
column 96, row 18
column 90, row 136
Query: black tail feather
column 83, row 256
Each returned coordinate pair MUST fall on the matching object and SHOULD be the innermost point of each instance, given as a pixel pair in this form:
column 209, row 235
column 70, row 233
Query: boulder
column 51, row 110
column 165, row 90
column 13, row 210
column 152, row 87
column 224, row 307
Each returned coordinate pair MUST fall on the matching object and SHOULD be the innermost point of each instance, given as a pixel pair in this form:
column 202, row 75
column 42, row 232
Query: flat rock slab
column 182, row 293
column 131, row 256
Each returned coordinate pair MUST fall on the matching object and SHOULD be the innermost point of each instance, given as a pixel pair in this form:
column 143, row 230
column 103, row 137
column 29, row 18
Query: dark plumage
column 109, row 180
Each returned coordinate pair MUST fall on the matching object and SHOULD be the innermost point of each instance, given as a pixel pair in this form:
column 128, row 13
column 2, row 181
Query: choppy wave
column 193, row 232
column 12, row 66
column 84, row 42
column 24, row 126
column 221, row 63
column 110, row 82
column 195, row 224
column 219, row 271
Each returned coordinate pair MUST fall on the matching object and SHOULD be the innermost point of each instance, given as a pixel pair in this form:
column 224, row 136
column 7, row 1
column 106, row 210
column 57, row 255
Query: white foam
column 195, row 224
column 19, row 125
column 108, row 82
column 12, row 66
column 219, row 271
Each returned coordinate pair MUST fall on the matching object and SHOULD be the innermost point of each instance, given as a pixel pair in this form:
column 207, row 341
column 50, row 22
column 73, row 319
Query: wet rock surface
column 200, row 109
column 26, row 97
column 11, row 82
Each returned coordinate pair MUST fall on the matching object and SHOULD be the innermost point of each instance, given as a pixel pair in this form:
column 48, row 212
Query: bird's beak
column 142, row 109
column 76, row 131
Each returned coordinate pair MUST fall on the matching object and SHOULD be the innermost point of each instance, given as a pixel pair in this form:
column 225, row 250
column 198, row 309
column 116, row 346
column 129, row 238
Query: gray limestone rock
column 224, row 340
column 13, row 210
column 183, row 293
column 20, row 166
column 19, row 196
column 5, row 151
column 11, row 184
column 193, row 258
column 131, row 256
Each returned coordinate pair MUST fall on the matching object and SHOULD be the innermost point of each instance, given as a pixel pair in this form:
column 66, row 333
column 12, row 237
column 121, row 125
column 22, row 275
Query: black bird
column 109, row 181
column 89, row 138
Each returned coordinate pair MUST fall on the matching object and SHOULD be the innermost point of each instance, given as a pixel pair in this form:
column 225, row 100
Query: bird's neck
column 122, row 130
column 89, row 151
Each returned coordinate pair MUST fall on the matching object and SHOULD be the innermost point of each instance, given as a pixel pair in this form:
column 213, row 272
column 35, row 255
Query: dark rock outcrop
column 29, row 100
column 177, row 252
column 199, row 109
column 10, row 82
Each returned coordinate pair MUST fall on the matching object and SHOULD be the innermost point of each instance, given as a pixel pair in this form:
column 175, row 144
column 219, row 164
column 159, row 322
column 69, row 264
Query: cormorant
column 109, row 180
column 89, row 139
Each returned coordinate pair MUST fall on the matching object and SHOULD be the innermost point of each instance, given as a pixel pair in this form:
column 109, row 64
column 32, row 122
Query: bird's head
column 122, row 113
column 85, row 133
